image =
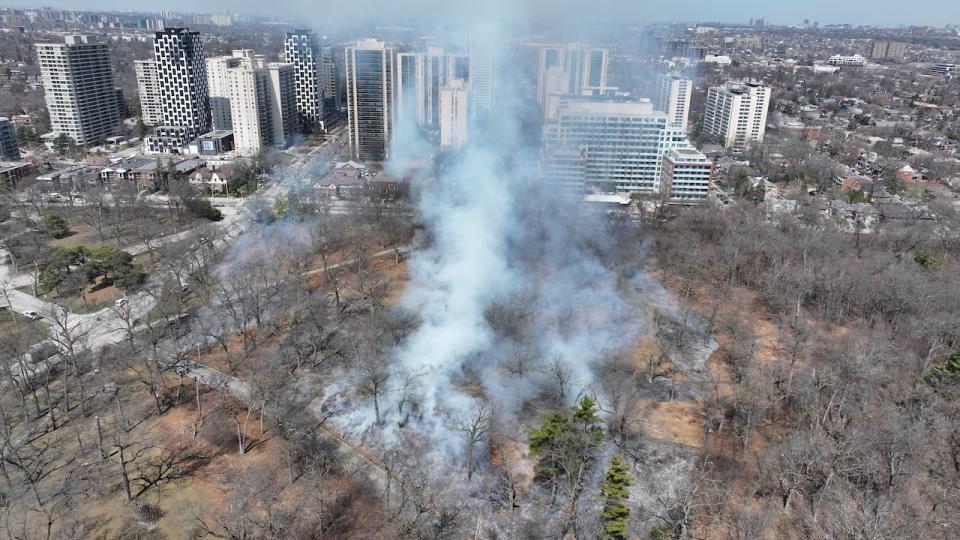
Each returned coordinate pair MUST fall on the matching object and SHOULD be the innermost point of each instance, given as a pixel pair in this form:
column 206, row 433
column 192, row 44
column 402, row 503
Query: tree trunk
column 469, row 463
column 239, row 437
column 123, row 473
column 121, row 420
column 103, row 453
column 199, row 406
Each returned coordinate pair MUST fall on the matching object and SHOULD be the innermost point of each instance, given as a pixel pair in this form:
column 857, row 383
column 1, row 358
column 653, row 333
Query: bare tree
column 474, row 425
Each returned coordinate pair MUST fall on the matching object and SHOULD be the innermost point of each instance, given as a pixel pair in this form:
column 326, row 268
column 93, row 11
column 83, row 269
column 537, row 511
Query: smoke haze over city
column 565, row 13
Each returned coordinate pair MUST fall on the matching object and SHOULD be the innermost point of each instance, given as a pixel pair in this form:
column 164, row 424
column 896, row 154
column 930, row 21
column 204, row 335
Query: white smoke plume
column 497, row 234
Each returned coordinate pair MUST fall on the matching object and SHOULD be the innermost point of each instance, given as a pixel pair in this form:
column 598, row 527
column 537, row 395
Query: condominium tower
column 573, row 69
column 329, row 80
column 369, row 71
column 673, row 98
column 218, row 87
column 737, row 112
column 482, row 52
column 184, row 101
column 148, row 86
column 887, row 50
column 453, row 114
column 261, row 100
column 420, row 78
column 301, row 49
column 78, row 88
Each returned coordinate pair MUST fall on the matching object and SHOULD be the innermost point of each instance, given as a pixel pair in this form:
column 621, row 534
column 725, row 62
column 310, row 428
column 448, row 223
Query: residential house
column 222, row 179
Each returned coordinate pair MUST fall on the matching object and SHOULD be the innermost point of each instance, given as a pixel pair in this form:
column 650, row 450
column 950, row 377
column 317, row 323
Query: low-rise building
column 11, row 172
column 908, row 174
column 222, row 179
column 852, row 61
column 147, row 172
column 351, row 180
column 216, row 142
column 720, row 60
column 687, row 175
column 74, row 178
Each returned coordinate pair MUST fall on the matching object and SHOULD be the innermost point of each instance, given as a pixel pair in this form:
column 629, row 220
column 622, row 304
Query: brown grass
column 675, row 422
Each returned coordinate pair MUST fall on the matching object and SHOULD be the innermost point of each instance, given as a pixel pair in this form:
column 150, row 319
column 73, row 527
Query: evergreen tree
column 566, row 444
column 54, row 225
column 614, row 493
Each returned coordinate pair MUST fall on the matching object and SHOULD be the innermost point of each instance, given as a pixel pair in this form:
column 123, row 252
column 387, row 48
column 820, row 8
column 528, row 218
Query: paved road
column 105, row 327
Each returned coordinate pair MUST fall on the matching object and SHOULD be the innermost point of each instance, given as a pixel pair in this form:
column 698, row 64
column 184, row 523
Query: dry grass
column 213, row 451
column 674, row 422
column 85, row 234
column 26, row 331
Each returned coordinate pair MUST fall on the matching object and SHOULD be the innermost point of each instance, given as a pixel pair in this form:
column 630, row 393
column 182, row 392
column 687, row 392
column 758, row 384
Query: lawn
column 90, row 300
column 15, row 324
column 161, row 223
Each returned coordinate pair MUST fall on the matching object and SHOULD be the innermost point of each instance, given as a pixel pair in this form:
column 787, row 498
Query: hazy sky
column 876, row 12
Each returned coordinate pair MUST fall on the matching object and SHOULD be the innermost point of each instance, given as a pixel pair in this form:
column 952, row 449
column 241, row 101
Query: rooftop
column 583, row 107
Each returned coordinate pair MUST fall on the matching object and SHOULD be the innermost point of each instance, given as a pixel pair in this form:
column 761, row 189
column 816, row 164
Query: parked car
column 32, row 315
column 120, row 302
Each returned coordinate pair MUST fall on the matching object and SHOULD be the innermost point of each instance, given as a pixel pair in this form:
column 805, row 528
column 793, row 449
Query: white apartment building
column 673, row 98
column 453, row 114
column 737, row 112
column 370, row 71
column 218, row 88
column 148, row 86
column 419, row 80
column 608, row 145
column 687, row 175
column 249, row 106
column 301, row 49
column 262, row 103
column 78, row 88
column 184, row 100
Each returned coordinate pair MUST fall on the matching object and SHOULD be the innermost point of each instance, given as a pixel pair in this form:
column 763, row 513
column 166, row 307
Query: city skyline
column 550, row 270
column 885, row 13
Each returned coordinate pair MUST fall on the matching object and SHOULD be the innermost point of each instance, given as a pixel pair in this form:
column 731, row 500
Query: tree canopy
column 68, row 266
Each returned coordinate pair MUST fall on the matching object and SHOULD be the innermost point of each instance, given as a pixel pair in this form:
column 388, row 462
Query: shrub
column 201, row 207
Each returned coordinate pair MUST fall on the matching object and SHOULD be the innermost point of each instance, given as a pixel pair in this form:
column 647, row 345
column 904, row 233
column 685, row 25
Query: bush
column 944, row 374
column 925, row 259
column 201, row 208
column 660, row 532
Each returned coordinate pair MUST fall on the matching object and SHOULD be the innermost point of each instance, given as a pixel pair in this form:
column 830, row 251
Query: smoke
column 499, row 236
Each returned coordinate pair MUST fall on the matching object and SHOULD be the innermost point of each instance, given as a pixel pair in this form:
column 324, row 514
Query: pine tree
column 566, row 444
column 614, row 493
